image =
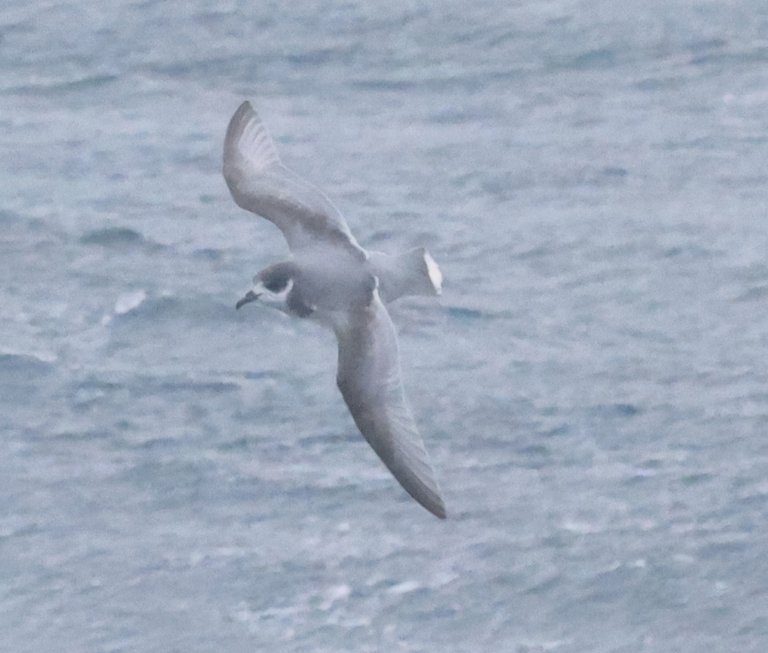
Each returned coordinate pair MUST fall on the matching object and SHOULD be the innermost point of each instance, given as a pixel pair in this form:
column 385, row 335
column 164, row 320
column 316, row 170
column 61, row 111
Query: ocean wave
column 138, row 307
column 116, row 237
column 25, row 365
column 129, row 301
column 57, row 87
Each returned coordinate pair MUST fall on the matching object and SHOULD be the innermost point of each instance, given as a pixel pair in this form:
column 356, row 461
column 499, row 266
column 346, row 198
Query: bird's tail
column 412, row 273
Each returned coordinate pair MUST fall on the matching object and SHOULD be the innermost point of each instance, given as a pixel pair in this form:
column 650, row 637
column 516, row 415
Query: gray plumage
column 260, row 183
column 369, row 379
column 334, row 281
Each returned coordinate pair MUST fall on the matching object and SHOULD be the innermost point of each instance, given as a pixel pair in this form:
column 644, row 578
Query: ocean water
column 592, row 177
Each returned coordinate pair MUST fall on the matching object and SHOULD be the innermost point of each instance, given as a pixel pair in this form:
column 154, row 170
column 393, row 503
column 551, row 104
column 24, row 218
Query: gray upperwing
column 369, row 380
column 260, row 183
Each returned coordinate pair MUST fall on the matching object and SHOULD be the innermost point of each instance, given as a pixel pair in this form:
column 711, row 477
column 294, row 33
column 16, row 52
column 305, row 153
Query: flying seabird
column 334, row 281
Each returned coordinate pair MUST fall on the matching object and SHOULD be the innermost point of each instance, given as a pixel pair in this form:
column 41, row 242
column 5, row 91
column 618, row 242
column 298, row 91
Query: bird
column 332, row 280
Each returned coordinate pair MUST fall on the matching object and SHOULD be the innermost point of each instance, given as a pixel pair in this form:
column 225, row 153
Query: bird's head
column 272, row 286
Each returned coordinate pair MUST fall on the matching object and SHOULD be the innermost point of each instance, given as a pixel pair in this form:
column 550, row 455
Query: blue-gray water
column 593, row 179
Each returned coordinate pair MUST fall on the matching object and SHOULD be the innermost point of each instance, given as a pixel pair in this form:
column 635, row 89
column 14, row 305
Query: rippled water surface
column 593, row 179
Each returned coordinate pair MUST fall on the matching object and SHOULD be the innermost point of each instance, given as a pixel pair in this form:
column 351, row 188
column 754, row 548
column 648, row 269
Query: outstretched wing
column 260, row 183
column 369, row 380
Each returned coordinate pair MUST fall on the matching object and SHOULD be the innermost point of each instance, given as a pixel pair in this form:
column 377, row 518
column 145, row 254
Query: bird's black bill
column 250, row 296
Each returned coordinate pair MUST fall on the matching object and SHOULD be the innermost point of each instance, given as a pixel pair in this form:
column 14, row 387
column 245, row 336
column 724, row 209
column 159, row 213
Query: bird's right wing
column 260, row 183
column 369, row 380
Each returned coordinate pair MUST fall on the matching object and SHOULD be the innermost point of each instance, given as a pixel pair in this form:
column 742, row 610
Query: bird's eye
column 276, row 285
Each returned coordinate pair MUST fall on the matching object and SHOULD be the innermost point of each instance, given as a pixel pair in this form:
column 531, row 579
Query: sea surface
column 592, row 176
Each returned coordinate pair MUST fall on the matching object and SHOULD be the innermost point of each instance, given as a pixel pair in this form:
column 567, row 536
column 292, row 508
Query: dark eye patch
column 276, row 284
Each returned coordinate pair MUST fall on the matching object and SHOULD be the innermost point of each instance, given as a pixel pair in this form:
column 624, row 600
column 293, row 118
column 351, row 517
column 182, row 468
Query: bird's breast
column 333, row 284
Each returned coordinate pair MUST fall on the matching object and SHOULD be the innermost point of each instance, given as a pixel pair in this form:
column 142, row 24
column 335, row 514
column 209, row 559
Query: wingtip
column 437, row 506
column 430, row 500
column 440, row 512
column 248, row 147
column 244, row 108
column 432, row 503
column 237, row 121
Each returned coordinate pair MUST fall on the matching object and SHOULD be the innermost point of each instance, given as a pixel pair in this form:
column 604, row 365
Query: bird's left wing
column 369, row 380
column 260, row 183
